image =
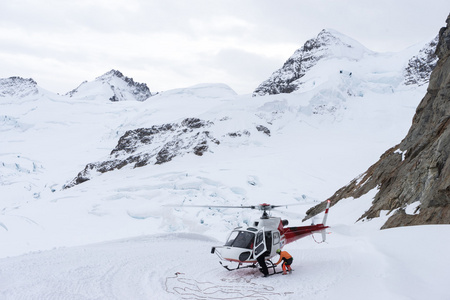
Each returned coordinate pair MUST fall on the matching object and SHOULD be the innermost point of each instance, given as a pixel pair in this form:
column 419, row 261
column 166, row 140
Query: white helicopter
column 245, row 244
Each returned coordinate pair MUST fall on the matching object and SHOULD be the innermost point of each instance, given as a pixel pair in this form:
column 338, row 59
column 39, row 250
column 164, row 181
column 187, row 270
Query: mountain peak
column 333, row 37
column 112, row 74
column 114, row 86
column 329, row 43
column 18, row 87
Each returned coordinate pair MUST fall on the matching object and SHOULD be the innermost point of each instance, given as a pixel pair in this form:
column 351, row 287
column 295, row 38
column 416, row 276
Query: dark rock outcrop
column 155, row 145
column 421, row 65
column 263, row 129
column 160, row 144
column 418, row 169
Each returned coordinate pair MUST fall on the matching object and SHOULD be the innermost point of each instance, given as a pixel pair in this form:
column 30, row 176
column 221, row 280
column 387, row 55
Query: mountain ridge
column 114, row 86
column 332, row 45
column 412, row 178
column 328, row 44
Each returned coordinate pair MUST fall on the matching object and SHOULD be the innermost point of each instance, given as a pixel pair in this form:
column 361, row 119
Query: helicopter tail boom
column 294, row 233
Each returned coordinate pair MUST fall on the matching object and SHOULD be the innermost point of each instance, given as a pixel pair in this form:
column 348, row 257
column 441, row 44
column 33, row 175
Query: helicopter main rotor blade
column 285, row 205
column 216, row 206
column 263, row 206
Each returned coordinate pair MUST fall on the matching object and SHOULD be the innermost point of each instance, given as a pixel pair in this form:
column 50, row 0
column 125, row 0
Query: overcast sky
column 177, row 43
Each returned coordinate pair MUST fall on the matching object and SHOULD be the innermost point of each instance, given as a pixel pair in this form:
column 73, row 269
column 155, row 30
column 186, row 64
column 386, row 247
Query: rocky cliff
column 416, row 172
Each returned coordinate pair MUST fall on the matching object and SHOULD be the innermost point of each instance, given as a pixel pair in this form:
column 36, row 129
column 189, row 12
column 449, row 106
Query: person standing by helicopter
column 262, row 263
column 287, row 261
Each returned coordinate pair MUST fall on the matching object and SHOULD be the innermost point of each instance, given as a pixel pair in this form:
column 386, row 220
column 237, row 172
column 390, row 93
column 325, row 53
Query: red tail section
column 292, row 234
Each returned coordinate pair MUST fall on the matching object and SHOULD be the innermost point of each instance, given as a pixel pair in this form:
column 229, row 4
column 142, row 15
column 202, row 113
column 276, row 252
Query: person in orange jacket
column 287, row 261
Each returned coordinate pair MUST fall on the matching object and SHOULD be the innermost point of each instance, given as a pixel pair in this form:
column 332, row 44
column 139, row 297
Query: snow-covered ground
column 358, row 261
column 112, row 238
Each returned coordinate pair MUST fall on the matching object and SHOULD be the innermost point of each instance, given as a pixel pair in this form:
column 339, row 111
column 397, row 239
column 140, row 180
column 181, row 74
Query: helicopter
column 245, row 244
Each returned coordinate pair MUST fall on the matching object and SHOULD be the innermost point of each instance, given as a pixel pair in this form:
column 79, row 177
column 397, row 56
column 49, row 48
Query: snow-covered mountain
column 18, row 87
column 335, row 55
column 329, row 44
column 113, row 86
column 204, row 145
column 413, row 176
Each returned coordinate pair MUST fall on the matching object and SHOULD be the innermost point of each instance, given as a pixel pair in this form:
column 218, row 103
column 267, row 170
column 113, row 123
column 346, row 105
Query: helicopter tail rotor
column 325, row 216
column 324, row 221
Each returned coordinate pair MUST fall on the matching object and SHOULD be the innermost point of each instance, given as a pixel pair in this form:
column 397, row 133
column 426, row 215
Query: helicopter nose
column 236, row 254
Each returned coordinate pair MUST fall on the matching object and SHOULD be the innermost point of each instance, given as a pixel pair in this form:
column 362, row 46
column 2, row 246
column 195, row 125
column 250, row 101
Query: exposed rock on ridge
column 154, row 145
column 416, row 171
column 420, row 66
column 160, row 144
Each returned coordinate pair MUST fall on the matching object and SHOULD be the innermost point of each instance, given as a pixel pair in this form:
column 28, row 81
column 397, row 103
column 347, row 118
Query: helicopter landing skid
column 240, row 266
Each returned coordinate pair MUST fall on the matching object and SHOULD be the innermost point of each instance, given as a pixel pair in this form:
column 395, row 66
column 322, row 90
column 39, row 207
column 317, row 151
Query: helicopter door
column 260, row 244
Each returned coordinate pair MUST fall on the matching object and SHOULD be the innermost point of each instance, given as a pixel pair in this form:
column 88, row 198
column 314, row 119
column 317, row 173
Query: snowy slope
column 112, row 238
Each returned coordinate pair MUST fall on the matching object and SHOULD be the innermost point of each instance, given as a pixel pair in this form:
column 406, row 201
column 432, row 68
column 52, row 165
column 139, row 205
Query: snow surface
column 112, row 238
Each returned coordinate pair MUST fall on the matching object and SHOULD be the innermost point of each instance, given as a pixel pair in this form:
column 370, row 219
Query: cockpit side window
column 241, row 239
column 231, row 238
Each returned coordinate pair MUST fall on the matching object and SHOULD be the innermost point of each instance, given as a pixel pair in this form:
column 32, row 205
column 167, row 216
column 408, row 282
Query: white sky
column 174, row 43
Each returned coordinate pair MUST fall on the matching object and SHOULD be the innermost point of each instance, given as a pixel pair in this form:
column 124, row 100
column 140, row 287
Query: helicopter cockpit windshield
column 241, row 239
